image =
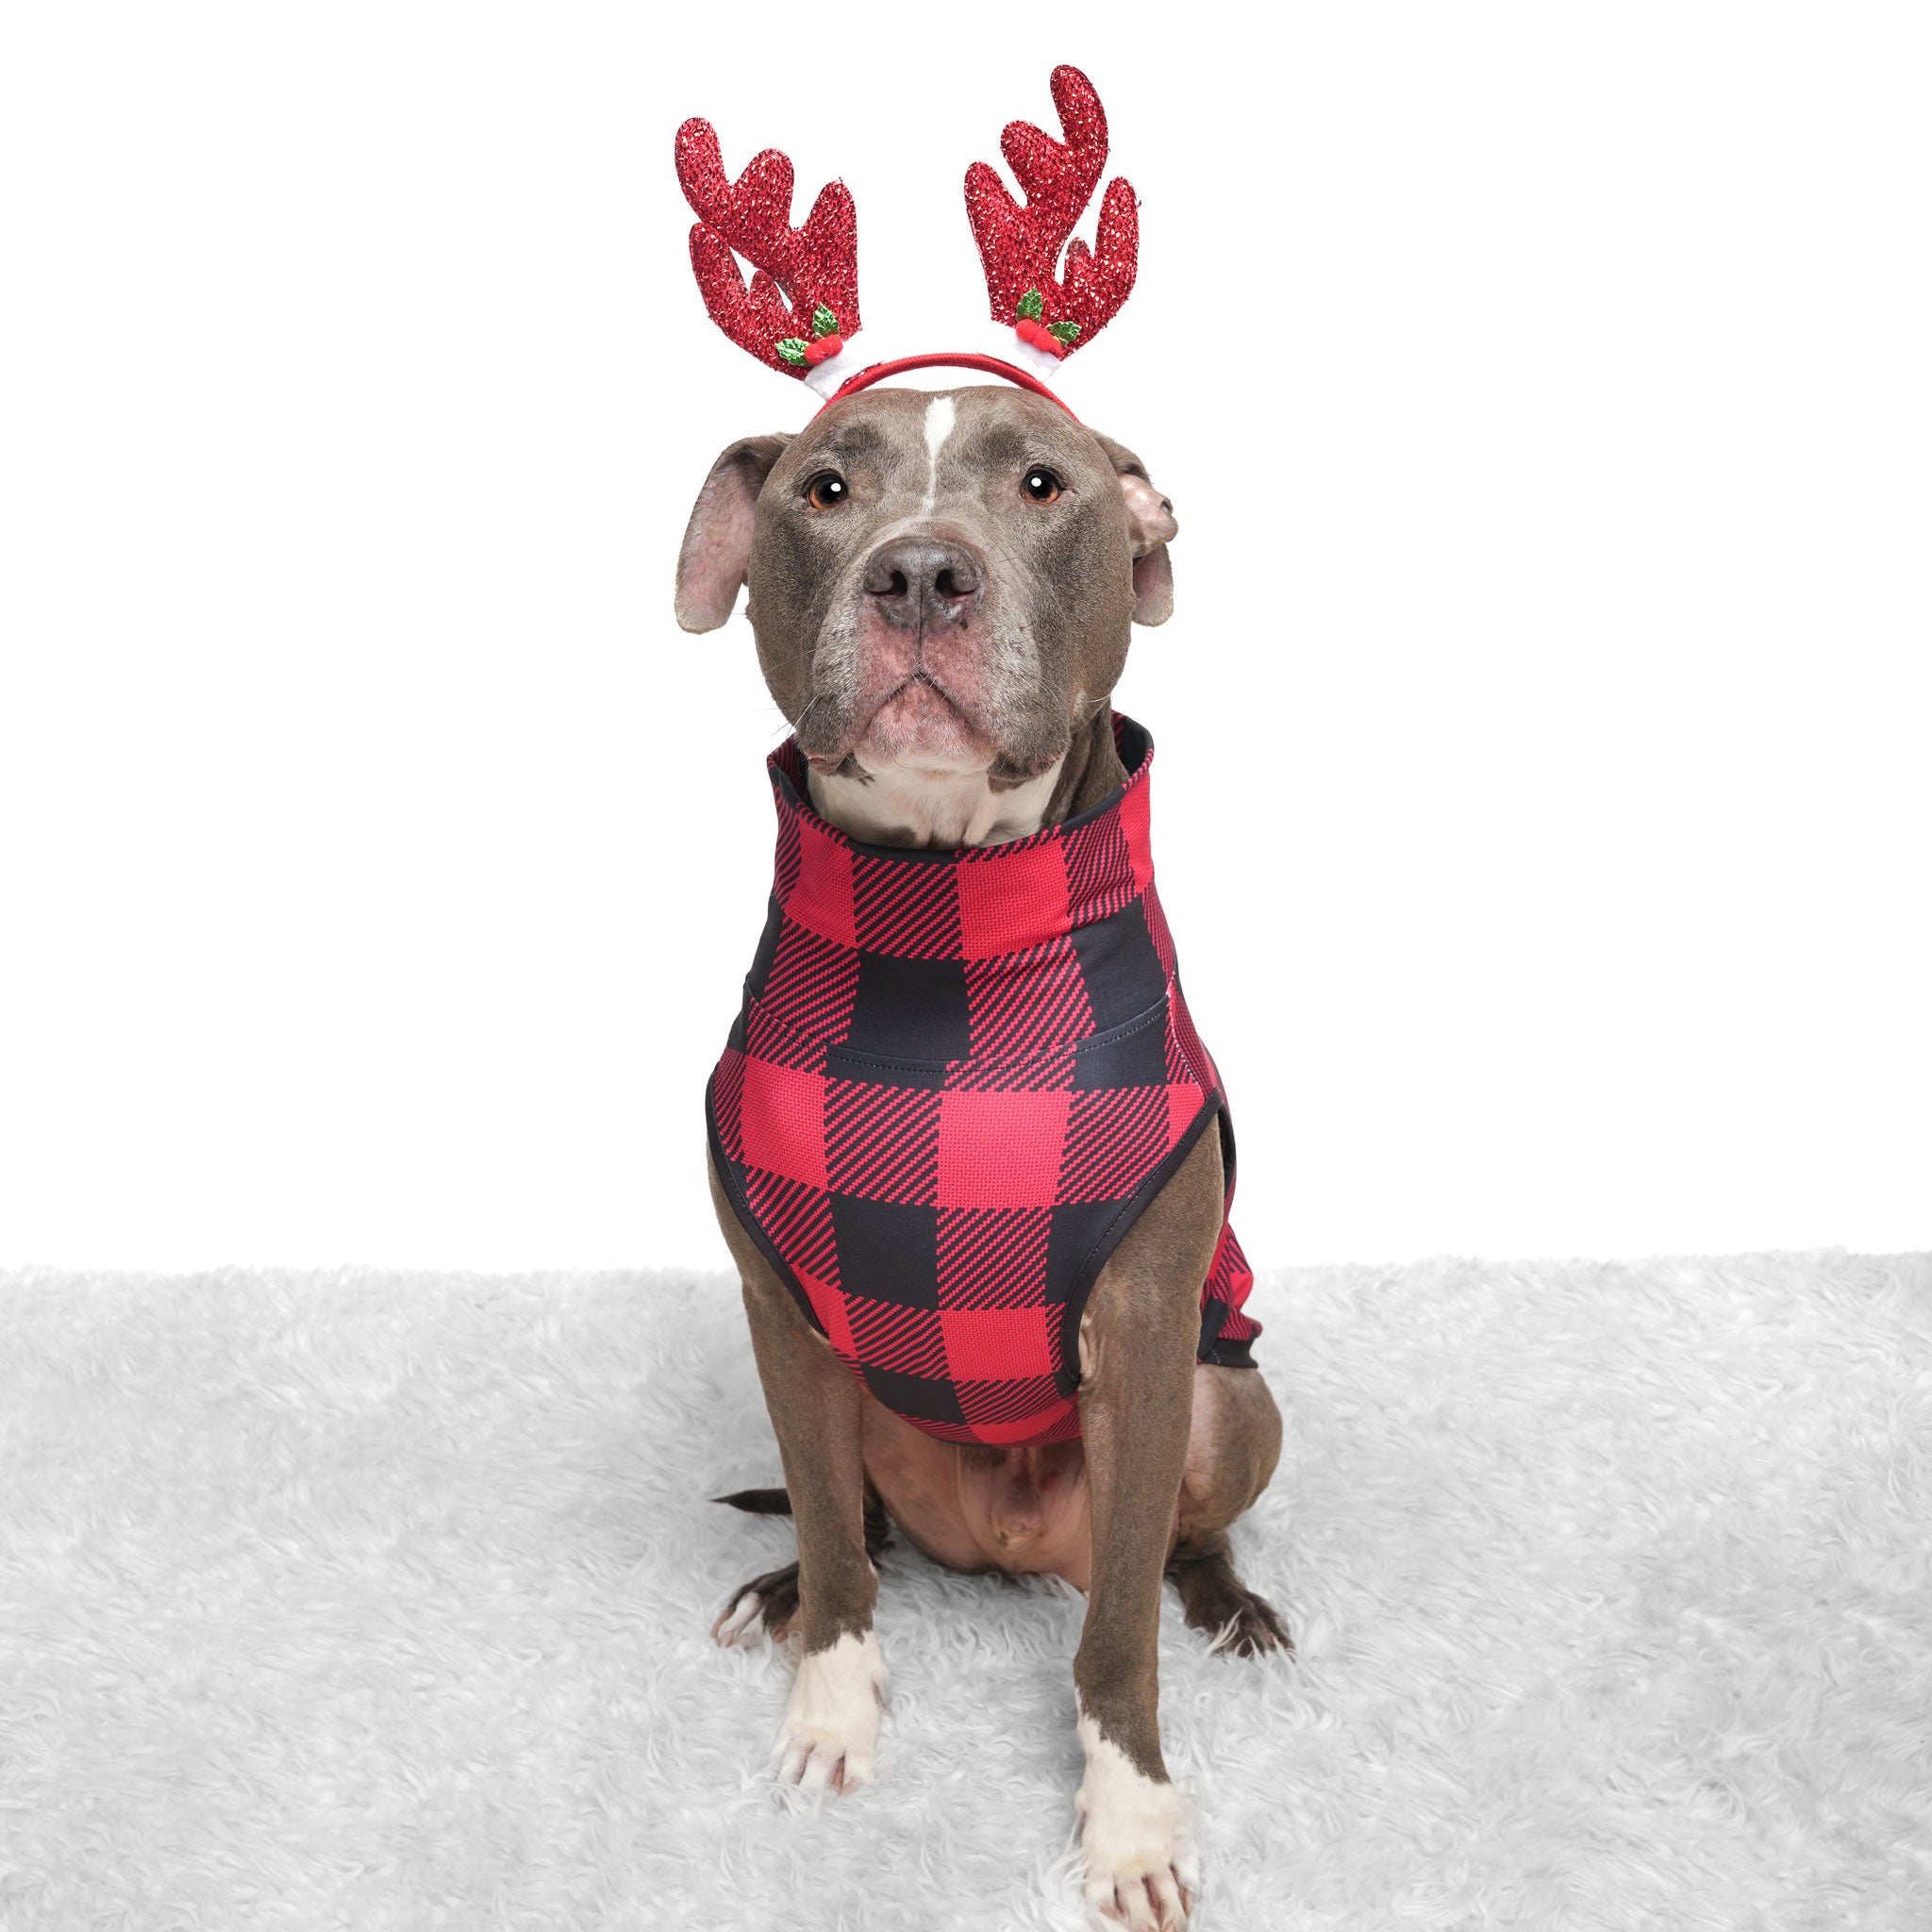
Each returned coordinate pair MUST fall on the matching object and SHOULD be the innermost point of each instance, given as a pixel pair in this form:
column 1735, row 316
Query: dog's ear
column 717, row 540
column 1150, row 519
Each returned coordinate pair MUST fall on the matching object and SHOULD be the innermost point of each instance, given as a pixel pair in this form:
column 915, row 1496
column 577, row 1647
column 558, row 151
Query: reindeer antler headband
column 800, row 311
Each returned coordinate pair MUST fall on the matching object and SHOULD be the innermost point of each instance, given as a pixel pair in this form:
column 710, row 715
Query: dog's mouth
column 917, row 721
column 922, row 696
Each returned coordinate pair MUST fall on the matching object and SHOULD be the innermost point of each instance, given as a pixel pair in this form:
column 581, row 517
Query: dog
column 942, row 586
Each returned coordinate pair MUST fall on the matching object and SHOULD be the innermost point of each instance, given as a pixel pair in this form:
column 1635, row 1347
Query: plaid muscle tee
column 956, row 1081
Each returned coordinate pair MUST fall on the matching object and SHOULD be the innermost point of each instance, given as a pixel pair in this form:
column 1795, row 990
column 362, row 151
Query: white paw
column 741, row 1622
column 1137, row 1838
column 830, row 1736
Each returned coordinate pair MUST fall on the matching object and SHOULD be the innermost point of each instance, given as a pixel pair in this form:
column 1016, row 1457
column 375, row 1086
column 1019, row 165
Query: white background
column 1542, row 802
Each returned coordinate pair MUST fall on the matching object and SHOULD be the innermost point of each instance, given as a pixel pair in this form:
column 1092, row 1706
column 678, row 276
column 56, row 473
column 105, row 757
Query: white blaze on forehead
column 939, row 418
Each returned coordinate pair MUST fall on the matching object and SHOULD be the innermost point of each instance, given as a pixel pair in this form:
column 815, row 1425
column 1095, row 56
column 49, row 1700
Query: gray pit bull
column 942, row 586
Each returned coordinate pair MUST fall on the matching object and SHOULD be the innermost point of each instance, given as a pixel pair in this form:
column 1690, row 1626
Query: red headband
column 800, row 311
column 967, row 359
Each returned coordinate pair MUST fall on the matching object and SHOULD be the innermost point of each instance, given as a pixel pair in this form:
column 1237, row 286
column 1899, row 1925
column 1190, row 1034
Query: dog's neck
column 905, row 804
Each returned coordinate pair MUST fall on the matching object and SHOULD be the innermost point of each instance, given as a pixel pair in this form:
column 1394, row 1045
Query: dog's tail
column 759, row 1502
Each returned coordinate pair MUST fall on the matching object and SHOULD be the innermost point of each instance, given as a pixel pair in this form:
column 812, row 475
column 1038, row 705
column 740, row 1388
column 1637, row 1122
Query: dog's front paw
column 1137, row 1837
column 830, row 1736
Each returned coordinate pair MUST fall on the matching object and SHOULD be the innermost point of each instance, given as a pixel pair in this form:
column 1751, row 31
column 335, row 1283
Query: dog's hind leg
column 1215, row 1600
column 830, row 1737
column 1234, row 1443
column 767, row 1605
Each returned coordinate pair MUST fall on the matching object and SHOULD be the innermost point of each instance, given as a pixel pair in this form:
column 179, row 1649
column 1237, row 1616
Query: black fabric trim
column 1216, row 1353
column 1229, row 1354
column 1068, row 1381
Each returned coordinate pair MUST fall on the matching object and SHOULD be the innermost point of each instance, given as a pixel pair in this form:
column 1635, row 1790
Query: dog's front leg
column 1136, row 1346
column 830, row 1735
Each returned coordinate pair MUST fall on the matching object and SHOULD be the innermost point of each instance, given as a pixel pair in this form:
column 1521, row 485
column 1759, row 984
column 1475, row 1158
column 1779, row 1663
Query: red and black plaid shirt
column 956, row 1079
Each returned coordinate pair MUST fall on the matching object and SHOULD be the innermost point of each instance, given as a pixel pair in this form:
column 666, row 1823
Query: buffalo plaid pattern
column 956, row 1079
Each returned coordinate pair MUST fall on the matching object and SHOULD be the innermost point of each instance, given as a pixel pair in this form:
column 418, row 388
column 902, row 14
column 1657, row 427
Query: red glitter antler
column 802, row 301
column 1051, row 311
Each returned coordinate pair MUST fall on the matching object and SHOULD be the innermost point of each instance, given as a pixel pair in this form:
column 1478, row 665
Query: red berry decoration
column 1037, row 336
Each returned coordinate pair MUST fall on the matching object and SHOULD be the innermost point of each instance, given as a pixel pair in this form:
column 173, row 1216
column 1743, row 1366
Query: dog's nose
column 924, row 580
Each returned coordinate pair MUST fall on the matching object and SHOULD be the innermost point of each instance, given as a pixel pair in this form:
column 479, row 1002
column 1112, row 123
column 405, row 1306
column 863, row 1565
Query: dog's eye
column 826, row 491
column 1041, row 485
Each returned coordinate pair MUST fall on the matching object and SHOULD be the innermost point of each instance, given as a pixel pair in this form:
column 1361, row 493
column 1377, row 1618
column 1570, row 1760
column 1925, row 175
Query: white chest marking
column 904, row 804
column 939, row 418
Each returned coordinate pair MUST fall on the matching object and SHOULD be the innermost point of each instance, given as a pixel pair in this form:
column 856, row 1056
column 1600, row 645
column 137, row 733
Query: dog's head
column 940, row 582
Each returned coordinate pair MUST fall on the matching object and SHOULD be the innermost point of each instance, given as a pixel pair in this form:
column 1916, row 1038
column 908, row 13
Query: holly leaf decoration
column 1065, row 331
column 1031, row 306
column 824, row 322
column 792, row 348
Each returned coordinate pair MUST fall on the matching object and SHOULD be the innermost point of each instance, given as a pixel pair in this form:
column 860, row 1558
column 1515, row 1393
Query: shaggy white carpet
column 377, row 1601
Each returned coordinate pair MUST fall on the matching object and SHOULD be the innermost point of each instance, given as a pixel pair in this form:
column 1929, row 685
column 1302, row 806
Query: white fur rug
column 380, row 1601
